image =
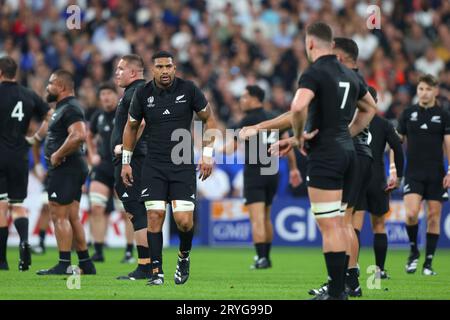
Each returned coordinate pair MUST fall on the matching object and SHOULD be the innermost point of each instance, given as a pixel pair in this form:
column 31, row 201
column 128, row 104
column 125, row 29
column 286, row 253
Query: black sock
column 335, row 262
column 347, row 260
column 412, row 235
column 129, row 249
column 83, row 256
column 64, row 258
column 21, row 225
column 380, row 245
column 352, row 278
column 261, row 250
column 3, row 241
column 185, row 242
column 98, row 247
column 143, row 253
column 42, row 234
column 432, row 240
column 268, row 247
column 155, row 243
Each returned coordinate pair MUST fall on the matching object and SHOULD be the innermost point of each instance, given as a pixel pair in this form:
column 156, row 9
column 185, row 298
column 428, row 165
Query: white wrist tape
column 208, row 152
column 126, row 156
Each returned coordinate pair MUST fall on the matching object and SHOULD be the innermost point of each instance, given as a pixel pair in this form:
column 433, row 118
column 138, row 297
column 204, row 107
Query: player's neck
column 320, row 53
column 133, row 81
column 64, row 95
column 427, row 105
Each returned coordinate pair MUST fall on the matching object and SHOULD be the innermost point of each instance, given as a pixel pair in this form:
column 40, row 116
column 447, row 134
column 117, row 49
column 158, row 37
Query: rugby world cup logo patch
column 150, row 102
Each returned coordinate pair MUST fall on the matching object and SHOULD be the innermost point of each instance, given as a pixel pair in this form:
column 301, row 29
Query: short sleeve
column 446, row 122
column 309, row 81
column 41, row 107
column 72, row 115
column 401, row 128
column 199, row 101
column 136, row 111
column 363, row 88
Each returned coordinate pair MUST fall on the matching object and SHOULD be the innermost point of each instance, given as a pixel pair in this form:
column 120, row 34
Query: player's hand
column 205, row 167
column 295, row 178
column 307, row 136
column 283, row 147
column 56, row 159
column 30, row 140
column 118, row 150
column 95, row 159
column 393, row 181
column 39, row 172
column 127, row 175
column 446, row 181
column 246, row 132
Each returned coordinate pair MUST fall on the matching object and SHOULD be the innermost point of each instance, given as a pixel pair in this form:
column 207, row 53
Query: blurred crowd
column 223, row 45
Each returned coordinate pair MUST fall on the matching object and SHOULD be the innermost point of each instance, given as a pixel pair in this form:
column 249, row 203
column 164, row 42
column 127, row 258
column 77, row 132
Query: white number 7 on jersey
column 18, row 111
column 345, row 85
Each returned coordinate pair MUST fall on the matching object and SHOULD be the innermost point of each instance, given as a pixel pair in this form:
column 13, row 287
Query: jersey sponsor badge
column 414, row 116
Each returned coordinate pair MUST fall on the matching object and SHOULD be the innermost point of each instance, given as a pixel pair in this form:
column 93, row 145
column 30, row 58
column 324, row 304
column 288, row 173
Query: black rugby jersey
column 380, row 132
column 425, row 129
column 17, row 106
column 336, row 91
column 67, row 112
column 361, row 139
column 164, row 111
column 102, row 123
column 253, row 163
column 121, row 118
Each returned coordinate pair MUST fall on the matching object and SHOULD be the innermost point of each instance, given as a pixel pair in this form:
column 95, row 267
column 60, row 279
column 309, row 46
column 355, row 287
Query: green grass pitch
column 223, row 273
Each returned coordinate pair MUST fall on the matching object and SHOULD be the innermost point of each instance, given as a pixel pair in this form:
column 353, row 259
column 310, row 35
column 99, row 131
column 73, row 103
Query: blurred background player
column 426, row 127
column 129, row 74
column 101, row 188
column 376, row 198
column 18, row 106
column 167, row 104
column 67, row 173
column 260, row 188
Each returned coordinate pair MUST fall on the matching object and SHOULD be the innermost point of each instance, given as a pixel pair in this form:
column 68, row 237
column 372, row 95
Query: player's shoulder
column 411, row 109
column 74, row 105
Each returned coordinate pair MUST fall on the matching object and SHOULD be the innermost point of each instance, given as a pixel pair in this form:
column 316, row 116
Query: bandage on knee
column 98, row 199
column 182, row 206
column 155, row 205
column 326, row 209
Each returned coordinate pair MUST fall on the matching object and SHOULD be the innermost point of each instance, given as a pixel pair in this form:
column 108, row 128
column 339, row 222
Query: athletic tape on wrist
column 208, row 152
column 126, row 156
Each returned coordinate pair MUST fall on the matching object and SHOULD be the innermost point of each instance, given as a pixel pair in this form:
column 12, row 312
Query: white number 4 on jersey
column 18, row 111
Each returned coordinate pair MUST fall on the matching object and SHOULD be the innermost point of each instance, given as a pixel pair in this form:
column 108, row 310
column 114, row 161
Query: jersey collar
column 170, row 89
column 135, row 82
column 63, row 101
column 326, row 57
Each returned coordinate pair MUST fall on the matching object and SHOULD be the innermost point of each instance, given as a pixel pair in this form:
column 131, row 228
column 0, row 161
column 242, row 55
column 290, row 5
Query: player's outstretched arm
column 207, row 161
column 73, row 142
column 282, row 122
column 367, row 109
column 299, row 109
